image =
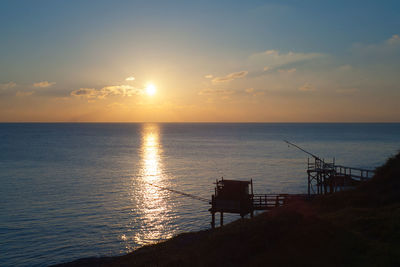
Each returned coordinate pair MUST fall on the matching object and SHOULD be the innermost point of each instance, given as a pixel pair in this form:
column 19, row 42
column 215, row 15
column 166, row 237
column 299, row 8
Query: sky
column 204, row 61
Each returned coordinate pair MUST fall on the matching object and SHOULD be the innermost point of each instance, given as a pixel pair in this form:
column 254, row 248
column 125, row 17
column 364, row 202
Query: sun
column 150, row 89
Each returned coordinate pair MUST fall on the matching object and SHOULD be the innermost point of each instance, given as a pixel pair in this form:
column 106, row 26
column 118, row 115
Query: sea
column 76, row 190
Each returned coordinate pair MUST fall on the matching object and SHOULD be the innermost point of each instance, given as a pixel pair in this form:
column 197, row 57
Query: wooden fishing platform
column 233, row 196
column 325, row 178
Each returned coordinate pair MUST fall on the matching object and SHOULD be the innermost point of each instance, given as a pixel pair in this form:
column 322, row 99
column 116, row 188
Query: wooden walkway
column 354, row 173
column 270, row 201
column 249, row 203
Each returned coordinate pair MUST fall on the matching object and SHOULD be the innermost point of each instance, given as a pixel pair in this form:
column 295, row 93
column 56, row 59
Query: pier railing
column 357, row 173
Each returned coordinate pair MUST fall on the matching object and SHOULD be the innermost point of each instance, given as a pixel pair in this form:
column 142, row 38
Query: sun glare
column 151, row 89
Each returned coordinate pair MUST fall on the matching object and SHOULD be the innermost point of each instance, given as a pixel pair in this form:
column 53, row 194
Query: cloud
column 394, row 40
column 254, row 92
column 384, row 50
column 249, row 90
column 292, row 70
column 209, row 76
column 274, row 58
column 43, row 84
column 22, row 94
column 209, row 91
column 8, row 85
column 271, row 52
column 306, row 88
column 85, row 92
column 114, row 90
column 345, row 67
column 130, row 78
column 230, row 77
column 123, row 90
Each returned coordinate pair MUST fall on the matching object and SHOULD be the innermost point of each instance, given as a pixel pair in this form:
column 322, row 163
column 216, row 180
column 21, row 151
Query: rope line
column 180, row 193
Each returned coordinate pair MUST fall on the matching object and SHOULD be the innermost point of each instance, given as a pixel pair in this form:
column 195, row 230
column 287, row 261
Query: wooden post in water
column 222, row 219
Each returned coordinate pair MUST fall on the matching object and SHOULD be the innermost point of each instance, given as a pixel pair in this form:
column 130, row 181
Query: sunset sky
column 200, row 61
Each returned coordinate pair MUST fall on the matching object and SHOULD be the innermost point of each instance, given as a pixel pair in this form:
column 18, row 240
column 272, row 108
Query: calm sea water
column 69, row 191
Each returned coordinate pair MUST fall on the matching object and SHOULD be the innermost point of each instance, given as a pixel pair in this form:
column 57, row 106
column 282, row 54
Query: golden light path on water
column 152, row 208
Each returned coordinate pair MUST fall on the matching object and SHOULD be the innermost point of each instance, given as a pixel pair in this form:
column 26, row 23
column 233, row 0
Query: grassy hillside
column 360, row 227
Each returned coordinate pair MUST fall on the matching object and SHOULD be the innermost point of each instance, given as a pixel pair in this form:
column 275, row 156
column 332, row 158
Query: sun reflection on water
column 152, row 220
column 151, row 154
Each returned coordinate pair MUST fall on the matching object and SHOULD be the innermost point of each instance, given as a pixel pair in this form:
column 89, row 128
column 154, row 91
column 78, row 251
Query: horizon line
column 198, row 122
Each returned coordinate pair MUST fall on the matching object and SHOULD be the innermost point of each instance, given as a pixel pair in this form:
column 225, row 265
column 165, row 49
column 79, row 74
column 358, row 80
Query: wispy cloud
column 271, row 52
column 230, row 77
column 209, row 76
column 130, row 78
column 253, row 92
column 249, row 90
column 43, row 84
column 209, row 91
column 345, row 67
column 388, row 48
column 307, row 87
column 394, row 40
column 85, row 92
column 8, row 85
column 22, row 94
column 292, row 70
column 270, row 59
column 123, row 90
column 114, row 90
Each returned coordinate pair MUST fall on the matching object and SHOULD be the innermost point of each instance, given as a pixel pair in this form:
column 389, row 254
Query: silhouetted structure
column 234, row 196
column 325, row 178
column 231, row 196
column 237, row 196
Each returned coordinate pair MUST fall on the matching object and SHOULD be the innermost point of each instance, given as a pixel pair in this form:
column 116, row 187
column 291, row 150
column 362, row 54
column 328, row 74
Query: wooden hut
column 232, row 196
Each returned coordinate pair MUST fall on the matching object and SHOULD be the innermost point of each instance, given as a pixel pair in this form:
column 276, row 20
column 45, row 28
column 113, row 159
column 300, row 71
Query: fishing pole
column 305, row 151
